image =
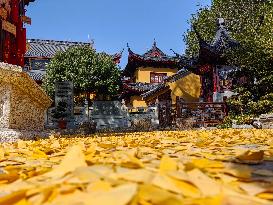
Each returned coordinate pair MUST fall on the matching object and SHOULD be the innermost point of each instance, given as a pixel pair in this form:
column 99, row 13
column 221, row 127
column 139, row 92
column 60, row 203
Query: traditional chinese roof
column 152, row 58
column 211, row 53
column 222, row 40
column 180, row 74
column 138, row 87
column 165, row 85
column 37, row 75
column 38, row 48
column 157, row 89
column 154, row 52
column 49, row 48
column 117, row 57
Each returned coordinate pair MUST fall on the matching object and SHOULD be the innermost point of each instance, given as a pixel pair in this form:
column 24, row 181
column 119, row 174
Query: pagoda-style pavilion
column 12, row 31
column 211, row 64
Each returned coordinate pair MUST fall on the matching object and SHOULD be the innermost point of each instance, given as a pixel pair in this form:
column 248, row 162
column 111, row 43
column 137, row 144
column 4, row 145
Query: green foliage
column 251, row 23
column 240, row 120
column 88, row 70
column 60, row 110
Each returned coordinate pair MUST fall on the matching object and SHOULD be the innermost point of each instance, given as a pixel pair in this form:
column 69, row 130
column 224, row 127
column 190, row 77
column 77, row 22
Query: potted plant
column 59, row 113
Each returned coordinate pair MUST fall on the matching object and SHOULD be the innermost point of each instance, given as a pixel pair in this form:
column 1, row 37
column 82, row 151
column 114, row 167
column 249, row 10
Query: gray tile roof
column 48, row 48
column 37, row 75
column 140, row 87
column 180, row 74
column 158, row 88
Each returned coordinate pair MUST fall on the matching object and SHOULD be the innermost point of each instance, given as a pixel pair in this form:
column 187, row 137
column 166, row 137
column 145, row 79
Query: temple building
column 39, row 52
column 211, row 65
column 12, row 31
column 183, row 85
column 149, row 73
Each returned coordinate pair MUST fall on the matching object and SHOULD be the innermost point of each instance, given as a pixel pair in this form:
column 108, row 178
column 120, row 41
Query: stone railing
column 142, row 113
column 110, row 115
column 266, row 121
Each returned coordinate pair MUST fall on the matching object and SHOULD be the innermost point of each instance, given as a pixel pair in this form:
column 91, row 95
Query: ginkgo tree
column 91, row 72
column 251, row 23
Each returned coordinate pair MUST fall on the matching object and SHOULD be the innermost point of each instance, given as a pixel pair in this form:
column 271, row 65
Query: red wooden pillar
column 13, row 44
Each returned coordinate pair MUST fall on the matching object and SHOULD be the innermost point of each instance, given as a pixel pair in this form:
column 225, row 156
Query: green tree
column 251, row 23
column 88, row 70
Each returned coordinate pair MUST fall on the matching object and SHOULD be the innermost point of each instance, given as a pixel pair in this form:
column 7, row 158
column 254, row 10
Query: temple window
column 157, row 77
column 38, row 64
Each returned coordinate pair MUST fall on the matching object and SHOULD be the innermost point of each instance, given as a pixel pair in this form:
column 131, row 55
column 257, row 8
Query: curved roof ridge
column 56, row 42
column 222, row 39
column 155, row 51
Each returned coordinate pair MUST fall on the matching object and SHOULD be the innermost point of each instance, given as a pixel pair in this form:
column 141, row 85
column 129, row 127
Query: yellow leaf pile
column 154, row 168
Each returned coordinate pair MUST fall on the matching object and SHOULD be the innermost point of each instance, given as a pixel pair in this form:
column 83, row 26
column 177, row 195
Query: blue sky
column 114, row 23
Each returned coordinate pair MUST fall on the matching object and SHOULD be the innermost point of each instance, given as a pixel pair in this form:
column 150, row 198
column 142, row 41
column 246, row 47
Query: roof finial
column 154, row 44
column 129, row 49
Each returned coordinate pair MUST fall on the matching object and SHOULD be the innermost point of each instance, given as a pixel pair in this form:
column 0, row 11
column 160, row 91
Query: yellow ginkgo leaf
column 38, row 154
column 206, row 185
column 251, row 156
column 149, row 194
column 21, row 144
column 204, row 163
column 215, row 200
column 99, row 186
column 2, row 153
column 55, row 144
column 137, row 175
column 181, row 187
column 267, row 196
column 12, row 198
column 120, row 195
column 167, row 164
column 188, row 189
column 132, row 162
column 23, row 202
column 73, row 159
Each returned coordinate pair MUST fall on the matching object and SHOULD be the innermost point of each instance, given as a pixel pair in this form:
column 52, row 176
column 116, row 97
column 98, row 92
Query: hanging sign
column 9, row 27
column 26, row 19
column 3, row 13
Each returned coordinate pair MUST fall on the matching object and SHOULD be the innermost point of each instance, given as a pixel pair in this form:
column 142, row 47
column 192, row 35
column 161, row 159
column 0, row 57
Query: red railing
column 203, row 114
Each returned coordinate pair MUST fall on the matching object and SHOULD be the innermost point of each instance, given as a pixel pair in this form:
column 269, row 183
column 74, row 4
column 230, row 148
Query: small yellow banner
column 3, row 13
column 9, row 27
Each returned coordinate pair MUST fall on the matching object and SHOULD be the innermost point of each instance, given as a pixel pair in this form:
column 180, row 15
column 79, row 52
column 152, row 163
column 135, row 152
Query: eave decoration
column 152, row 58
